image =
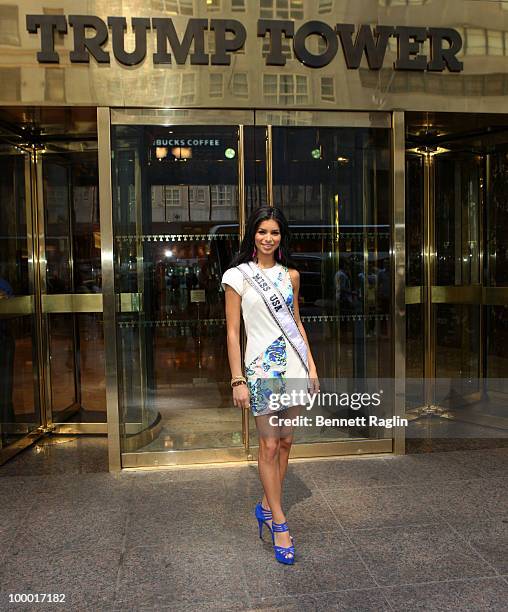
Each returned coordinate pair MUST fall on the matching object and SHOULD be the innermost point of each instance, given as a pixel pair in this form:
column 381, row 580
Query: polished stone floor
column 426, row 532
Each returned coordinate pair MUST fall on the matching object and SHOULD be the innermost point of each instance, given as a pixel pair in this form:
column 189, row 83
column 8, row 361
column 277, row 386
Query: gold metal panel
column 495, row 296
column 108, row 286
column 331, row 449
column 163, row 458
column 481, row 85
column 414, row 295
column 168, row 117
column 237, row 454
column 323, row 119
column 17, row 306
column 399, row 267
column 467, row 294
column 72, row 302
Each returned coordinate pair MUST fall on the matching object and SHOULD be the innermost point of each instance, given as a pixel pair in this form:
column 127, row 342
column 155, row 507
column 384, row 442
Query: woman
column 263, row 284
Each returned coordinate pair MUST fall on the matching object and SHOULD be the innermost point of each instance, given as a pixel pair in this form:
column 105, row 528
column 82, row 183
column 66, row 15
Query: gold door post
column 429, row 262
column 399, row 276
column 108, row 286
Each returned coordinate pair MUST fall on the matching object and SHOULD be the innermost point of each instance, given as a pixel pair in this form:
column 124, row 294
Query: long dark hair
column 258, row 215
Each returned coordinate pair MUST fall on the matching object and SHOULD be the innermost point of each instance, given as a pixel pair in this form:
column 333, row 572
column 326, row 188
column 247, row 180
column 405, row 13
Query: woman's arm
column 295, row 281
column 233, row 304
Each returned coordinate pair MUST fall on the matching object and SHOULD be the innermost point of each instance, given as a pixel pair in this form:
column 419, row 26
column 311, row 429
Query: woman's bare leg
column 285, row 442
column 270, row 473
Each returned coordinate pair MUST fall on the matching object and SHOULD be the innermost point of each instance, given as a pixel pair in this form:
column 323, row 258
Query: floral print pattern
column 265, row 374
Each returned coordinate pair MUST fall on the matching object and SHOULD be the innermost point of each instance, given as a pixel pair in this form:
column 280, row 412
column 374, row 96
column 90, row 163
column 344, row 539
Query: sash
column 277, row 307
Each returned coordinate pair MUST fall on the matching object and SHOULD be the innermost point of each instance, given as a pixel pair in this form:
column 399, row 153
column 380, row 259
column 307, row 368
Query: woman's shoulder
column 234, row 278
column 294, row 274
column 232, row 272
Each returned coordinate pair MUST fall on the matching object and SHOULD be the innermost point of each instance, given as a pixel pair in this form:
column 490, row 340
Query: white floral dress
column 271, row 363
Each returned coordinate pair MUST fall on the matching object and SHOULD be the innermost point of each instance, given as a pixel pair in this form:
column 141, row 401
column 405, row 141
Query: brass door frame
column 109, row 117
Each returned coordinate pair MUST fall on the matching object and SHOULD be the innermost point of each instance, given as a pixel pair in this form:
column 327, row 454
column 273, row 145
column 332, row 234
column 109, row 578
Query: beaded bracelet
column 237, row 383
column 236, row 380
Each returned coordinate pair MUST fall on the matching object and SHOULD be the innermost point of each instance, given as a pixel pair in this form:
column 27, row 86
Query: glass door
column 71, row 284
column 331, row 175
column 456, row 292
column 183, row 183
column 52, row 373
column 176, row 215
column 21, row 414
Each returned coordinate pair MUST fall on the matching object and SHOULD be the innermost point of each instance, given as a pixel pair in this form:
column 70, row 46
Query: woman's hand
column 241, row 396
column 313, row 381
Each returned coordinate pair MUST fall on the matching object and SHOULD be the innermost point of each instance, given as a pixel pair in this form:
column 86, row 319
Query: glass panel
column 176, row 230
column 496, row 275
column 62, row 342
column 415, row 323
column 497, row 218
column 414, row 220
column 92, row 368
column 72, row 246
column 458, row 348
column 71, row 206
column 457, row 203
column 496, row 383
column 255, row 167
column 333, row 184
column 19, row 407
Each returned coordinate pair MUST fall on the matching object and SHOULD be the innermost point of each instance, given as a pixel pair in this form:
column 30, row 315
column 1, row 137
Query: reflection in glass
column 19, row 409
column 73, row 266
column 72, row 222
column 457, row 206
column 92, row 368
column 333, row 184
column 497, row 217
column 63, row 363
column 414, row 220
column 176, row 230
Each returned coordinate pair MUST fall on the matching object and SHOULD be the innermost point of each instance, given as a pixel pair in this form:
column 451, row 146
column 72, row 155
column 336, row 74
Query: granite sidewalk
column 418, row 532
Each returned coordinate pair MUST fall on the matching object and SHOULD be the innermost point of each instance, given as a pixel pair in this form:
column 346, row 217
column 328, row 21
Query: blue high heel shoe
column 263, row 516
column 283, row 555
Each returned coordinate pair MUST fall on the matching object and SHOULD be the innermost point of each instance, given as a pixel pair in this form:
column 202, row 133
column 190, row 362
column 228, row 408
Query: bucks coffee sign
column 90, row 40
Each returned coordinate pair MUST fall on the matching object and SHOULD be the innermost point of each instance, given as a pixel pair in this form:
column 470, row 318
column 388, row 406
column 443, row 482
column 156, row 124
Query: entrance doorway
column 183, row 184
column 457, row 293
column 52, row 369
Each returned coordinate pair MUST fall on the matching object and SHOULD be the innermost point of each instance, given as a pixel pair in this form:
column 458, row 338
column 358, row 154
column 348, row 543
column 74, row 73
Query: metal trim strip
column 399, row 275
column 108, row 285
column 168, row 117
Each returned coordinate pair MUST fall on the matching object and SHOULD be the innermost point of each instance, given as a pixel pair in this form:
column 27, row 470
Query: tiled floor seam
column 445, row 581
column 248, row 598
column 346, row 535
column 381, row 588
column 471, row 547
column 122, row 556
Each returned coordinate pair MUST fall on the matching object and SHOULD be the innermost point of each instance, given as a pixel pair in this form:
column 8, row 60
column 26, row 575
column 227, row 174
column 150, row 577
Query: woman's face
column 267, row 238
